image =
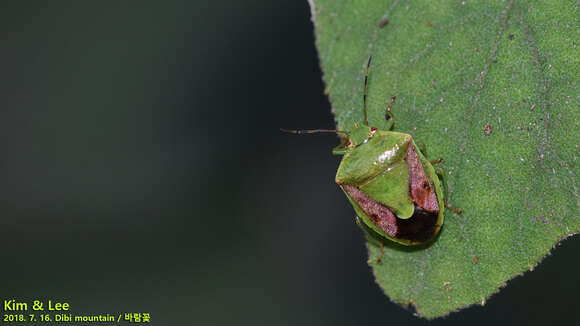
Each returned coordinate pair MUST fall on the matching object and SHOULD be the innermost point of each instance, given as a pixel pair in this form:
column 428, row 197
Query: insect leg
column 423, row 150
column 372, row 239
column 454, row 209
column 422, row 147
column 443, row 179
column 339, row 150
column 388, row 115
column 380, row 258
column 435, row 161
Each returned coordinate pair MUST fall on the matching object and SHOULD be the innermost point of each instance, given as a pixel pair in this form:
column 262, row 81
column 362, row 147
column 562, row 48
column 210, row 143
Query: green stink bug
column 395, row 191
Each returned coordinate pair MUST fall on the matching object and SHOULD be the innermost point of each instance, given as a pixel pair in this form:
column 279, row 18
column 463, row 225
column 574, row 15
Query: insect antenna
column 313, row 131
column 365, row 91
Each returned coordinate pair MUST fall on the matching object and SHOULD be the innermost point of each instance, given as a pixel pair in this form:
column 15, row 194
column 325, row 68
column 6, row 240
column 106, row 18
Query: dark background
column 142, row 170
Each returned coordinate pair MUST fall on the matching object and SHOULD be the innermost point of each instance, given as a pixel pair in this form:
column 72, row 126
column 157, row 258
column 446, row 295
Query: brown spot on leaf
column 383, row 22
column 543, row 219
column 487, row 129
column 475, row 260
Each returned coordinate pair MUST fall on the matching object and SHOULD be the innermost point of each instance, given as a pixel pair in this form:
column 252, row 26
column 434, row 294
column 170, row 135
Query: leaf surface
column 492, row 88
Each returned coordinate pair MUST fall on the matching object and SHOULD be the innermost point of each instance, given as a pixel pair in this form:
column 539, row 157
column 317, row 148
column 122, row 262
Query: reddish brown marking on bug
column 419, row 227
column 373, row 129
column 380, row 214
column 422, row 191
column 383, row 22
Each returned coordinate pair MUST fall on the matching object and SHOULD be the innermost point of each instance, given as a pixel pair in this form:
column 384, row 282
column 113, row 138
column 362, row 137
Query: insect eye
column 373, row 129
column 347, row 143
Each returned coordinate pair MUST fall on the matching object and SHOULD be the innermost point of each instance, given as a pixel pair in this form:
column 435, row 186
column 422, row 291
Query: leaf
column 491, row 87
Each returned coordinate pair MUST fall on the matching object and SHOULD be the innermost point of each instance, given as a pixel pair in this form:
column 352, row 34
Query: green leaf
column 491, row 87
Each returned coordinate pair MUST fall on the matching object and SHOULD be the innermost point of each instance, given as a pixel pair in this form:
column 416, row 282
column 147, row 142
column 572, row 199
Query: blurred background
column 143, row 170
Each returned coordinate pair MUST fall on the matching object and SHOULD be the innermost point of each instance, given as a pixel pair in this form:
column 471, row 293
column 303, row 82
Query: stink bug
column 395, row 191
